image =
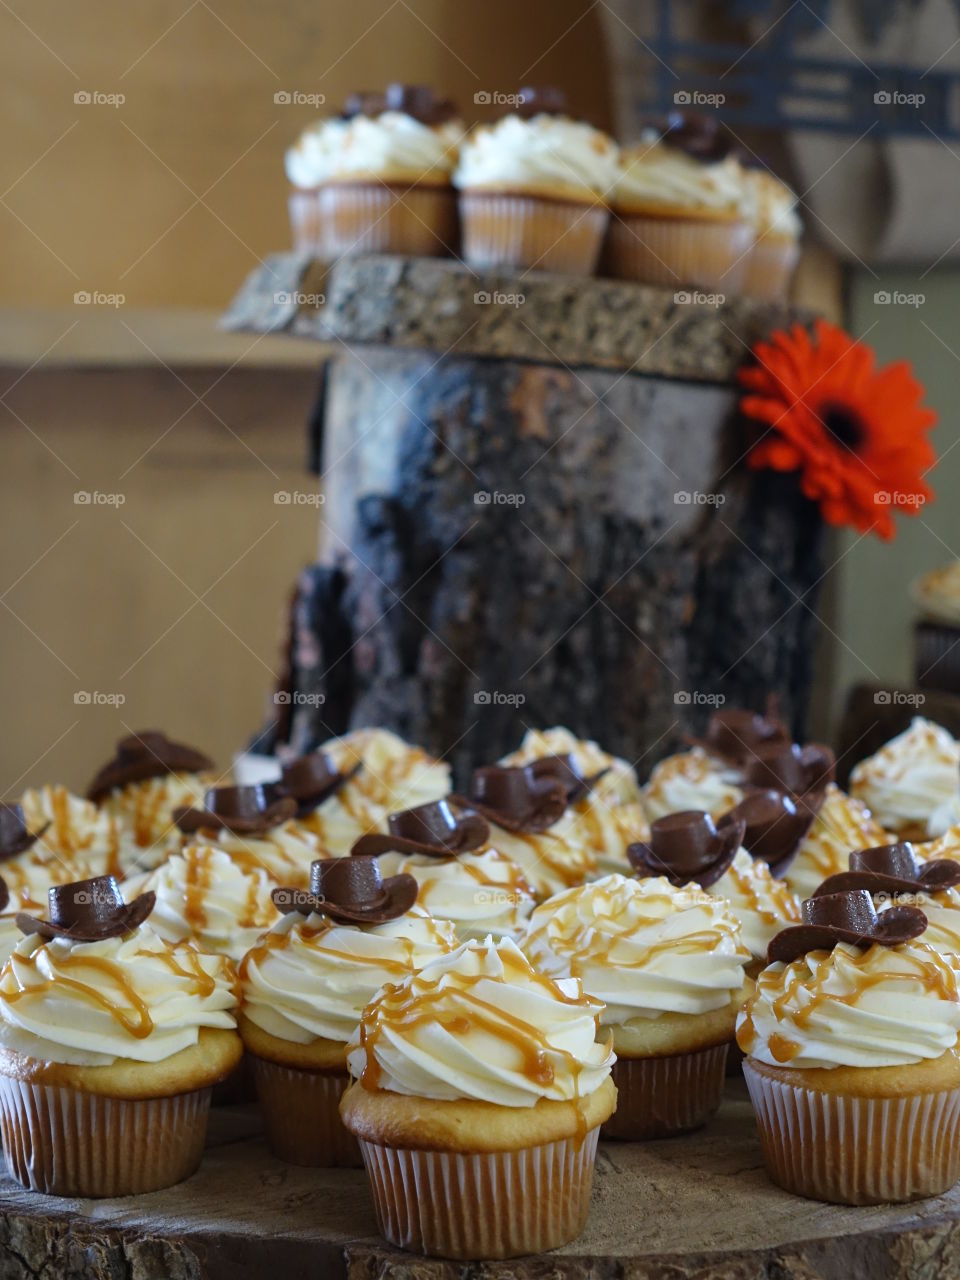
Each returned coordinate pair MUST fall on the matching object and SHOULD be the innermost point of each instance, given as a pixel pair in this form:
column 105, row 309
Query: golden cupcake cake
column 526, row 812
column 480, row 1085
column 459, row 878
column 148, row 778
column 305, row 984
column 851, row 1063
column 668, row 965
column 110, row 1042
column 534, row 188
column 912, row 784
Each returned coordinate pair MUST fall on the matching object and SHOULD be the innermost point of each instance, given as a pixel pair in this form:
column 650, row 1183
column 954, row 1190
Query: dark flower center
column 843, row 423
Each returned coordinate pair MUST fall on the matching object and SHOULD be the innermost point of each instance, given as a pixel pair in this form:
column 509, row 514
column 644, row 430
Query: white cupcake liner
column 503, row 230
column 493, row 1205
column 304, row 210
column 67, row 1143
column 379, row 218
column 301, row 1115
column 856, row 1150
column 680, row 252
column 659, row 1097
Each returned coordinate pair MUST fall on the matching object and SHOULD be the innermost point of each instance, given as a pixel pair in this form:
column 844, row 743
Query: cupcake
column 304, row 986
column 842, row 823
column 533, row 189
column 690, row 849
column 379, row 774
column 147, row 779
column 525, row 814
column 387, row 186
column 852, row 1066
column 611, row 779
column 678, row 216
column 772, row 210
column 477, row 889
column 110, row 1042
column 479, row 1090
column 668, row 965
column 256, row 827
column 308, row 164
column 204, row 897
column 894, row 875
column 912, row 785
column 937, row 632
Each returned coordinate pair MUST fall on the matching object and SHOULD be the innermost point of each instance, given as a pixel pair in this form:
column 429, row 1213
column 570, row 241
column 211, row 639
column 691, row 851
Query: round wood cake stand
column 698, row 1206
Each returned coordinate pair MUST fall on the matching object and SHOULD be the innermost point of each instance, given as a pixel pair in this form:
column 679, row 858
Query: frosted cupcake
column 852, row 1066
column 894, row 875
column 841, row 824
column 668, row 965
column 383, row 774
column 110, row 1042
column 689, row 849
column 308, row 165
column 533, row 189
column 912, row 785
column 147, row 779
column 478, row 890
column 387, row 187
column 204, row 897
column 525, row 812
column 772, row 209
column 479, row 1092
column 610, row 778
column 305, row 984
column 678, row 216
column 256, row 826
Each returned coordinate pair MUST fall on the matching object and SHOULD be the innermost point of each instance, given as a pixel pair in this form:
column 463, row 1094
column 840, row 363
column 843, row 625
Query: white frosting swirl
column 943, row 918
column 762, row 904
column 550, row 860
column 691, row 780
column 78, row 832
column 544, row 153
column 283, row 852
column 641, row 946
column 618, row 785
column 311, row 159
column 482, row 1023
column 841, row 825
column 202, row 895
column 913, row 781
column 309, row 979
column 770, row 205
column 883, row 1007
column 937, row 594
column 394, row 145
column 657, row 176
column 479, row 893
column 143, row 815
column 133, row 997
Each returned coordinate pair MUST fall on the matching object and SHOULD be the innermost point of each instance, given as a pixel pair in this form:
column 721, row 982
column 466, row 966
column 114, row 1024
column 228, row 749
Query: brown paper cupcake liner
column 301, row 1115
column 504, row 230
column 304, row 210
column 66, row 1143
column 856, row 1150
column 770, row 267
column 493, row 1205
column 379, row 218
column 680, row 252
column 937, row 656
column 659, row 1097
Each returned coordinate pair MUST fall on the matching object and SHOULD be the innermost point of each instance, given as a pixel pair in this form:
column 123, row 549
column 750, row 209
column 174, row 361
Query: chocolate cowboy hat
column 432, row 829
column 775, row 827
column 350, row 891
column 735, row 733
column 513, row 797
column 14, row 836
column 688, row 846
column 313, row 778
column 148, row 754
column 4, row 894
column 244, row 811
column 565, row 770
column 543, row 99
column 892, row 868
column 420, row 102
column 88, row 911
column 845, row 917
column 803, row 772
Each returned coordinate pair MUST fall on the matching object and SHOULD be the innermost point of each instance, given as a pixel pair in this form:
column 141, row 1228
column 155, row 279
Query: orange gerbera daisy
column 856, row 433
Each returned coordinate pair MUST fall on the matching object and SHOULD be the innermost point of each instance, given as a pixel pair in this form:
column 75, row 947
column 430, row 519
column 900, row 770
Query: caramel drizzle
column 843, row 823
column 774, row 904
column 315, row 940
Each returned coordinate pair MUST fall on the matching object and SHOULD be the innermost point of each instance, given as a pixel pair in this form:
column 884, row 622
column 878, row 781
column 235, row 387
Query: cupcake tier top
column 915, row 778
column 308, row 979
column 850, row 1007
column 482, row 1024
column 130, row 997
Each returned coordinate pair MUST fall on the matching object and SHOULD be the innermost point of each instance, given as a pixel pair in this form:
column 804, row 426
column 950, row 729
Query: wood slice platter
column 698, row 1206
